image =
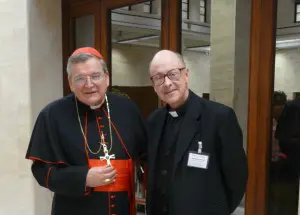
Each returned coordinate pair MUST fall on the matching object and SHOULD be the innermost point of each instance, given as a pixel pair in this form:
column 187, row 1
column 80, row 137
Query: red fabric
column 124, row 180
column 88, row 50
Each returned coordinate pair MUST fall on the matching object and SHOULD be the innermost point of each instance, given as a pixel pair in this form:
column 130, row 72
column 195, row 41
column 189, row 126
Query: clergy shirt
column 166, row 151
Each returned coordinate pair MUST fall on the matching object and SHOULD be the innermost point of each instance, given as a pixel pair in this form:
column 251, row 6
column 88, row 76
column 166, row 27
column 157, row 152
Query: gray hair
column 81, row 58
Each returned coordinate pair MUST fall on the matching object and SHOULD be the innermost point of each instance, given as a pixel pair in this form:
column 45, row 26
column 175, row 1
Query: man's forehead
column 164, row 66
column 85, row 66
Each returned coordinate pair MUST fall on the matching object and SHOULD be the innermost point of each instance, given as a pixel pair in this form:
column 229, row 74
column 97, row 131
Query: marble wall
column 30, row 77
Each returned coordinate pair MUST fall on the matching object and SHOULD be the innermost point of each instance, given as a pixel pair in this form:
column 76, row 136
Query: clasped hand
column 100, row 176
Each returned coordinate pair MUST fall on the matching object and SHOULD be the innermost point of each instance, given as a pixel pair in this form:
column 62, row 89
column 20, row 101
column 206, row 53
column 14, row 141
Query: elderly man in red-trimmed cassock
column 83, row 145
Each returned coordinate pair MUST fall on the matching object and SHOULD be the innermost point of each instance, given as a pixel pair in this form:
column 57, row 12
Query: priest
column 83, row 146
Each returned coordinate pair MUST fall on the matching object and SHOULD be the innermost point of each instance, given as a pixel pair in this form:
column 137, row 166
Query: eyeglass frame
column 167, row 75
column 86, row 77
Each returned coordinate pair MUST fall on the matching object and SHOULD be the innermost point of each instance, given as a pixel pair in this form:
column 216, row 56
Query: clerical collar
column 178, row 112
column 94, row 107
column 84, row 107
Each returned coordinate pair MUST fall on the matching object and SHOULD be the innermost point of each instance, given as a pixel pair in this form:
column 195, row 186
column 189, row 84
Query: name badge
column 198, row 160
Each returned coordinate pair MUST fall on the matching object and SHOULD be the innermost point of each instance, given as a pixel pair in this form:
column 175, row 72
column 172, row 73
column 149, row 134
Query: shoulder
column 156, row 113
column 210, row 107
column 216, row 107
column 294, row 103
column 58, row 106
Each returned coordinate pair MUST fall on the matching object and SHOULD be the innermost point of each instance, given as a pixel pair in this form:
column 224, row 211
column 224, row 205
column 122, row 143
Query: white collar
column 94, row 107
column 173, row 114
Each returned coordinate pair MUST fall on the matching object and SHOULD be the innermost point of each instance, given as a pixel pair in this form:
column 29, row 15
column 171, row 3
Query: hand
column 100, row 176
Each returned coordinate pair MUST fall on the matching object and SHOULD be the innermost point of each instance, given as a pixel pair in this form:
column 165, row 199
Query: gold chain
column 110, row 131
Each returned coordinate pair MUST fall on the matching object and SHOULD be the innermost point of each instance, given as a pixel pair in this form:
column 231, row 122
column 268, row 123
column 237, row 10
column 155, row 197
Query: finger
column 112, row 174
column 107, row 169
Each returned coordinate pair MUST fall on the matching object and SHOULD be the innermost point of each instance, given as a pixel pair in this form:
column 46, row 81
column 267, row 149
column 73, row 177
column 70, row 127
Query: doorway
column 89, row 23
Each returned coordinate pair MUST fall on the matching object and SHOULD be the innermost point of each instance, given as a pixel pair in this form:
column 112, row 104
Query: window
column 297, row 11
column 202, row 11
column 185, row 9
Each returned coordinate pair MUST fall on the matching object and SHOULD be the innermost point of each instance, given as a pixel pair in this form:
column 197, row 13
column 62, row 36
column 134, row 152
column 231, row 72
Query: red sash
column 124, row 180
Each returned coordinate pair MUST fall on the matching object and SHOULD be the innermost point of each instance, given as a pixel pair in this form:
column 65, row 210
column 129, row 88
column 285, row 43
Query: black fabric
column 60, row 160
column 216, row 190
column 288, row 132
column 165, row 157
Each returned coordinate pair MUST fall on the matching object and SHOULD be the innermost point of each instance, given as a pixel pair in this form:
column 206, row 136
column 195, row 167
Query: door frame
column 261, row 73
column 261, row 85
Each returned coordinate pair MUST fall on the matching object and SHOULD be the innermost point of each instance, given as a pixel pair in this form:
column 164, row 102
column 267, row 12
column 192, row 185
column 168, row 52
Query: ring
column 107, row 180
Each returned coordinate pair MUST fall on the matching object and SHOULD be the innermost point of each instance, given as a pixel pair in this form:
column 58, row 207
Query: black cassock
column 62, row 159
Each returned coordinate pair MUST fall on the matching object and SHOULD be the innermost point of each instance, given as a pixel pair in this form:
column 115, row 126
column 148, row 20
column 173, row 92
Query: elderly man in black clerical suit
column 197, row 164
column 83, row 145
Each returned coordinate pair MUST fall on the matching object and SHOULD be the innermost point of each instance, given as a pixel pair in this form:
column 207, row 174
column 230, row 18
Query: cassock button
column 164, row 172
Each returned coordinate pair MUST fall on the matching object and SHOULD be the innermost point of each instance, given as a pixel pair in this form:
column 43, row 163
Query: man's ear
column 71, row 83
column 107, row 79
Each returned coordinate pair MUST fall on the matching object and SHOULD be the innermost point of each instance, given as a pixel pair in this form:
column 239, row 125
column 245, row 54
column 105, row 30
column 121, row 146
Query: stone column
column 230, row 39
column 31, row 76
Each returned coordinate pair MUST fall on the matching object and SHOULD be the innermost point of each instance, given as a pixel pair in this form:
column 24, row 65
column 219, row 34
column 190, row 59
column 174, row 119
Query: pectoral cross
column 106, row 156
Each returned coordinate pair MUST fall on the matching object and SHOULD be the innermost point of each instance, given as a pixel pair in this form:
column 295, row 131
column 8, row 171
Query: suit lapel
column 188, row 128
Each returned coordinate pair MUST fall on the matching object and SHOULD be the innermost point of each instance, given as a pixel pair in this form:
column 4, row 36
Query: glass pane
column 135, row 39
column 298, row 8
column 285, row 136
column 84, row 31
column 195, row 50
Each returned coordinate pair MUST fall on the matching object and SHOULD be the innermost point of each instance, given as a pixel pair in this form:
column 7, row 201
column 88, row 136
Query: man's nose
column 167, row 81
column 89, row 82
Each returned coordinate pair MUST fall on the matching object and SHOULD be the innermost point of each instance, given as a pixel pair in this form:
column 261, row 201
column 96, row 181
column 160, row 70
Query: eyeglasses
column 82, row 79
column 173, row 75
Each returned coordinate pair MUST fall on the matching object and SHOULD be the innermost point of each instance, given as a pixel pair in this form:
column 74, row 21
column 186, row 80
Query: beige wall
column 287, row 73
column 30, row 67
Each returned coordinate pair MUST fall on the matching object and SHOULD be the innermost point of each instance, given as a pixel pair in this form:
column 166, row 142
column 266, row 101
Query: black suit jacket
column 216, row 190
column 288, row 133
